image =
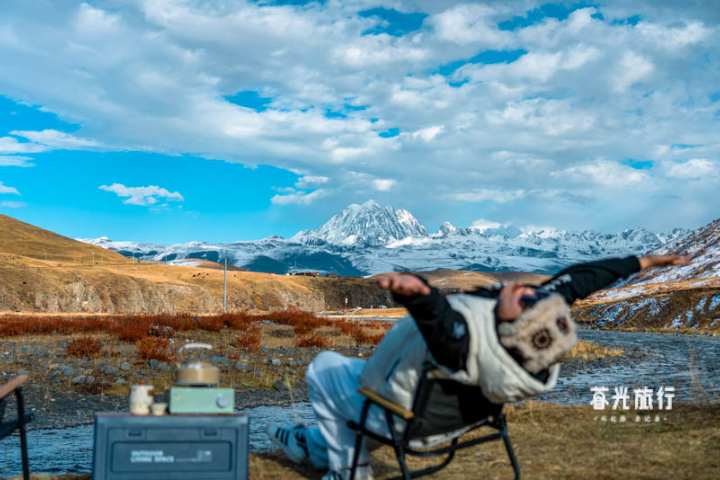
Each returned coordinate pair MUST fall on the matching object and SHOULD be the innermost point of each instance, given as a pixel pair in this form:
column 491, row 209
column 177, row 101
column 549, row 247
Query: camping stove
column 196, row 388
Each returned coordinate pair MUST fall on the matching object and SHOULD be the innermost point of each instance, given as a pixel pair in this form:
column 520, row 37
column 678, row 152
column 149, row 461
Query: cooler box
column 177, row 447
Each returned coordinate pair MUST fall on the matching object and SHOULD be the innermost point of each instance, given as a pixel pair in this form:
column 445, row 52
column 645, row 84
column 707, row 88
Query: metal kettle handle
column 189, row 346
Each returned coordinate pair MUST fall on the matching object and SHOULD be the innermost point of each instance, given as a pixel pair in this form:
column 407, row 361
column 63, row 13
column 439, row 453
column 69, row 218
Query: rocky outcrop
column 102, row 291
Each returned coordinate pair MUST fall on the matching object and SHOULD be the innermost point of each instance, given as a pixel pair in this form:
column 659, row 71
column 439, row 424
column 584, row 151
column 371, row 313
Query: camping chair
column 8, row 427
column 427, row 419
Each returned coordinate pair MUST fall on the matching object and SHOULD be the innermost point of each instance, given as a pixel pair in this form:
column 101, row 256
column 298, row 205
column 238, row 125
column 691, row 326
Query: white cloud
column 428, row 134
column 308, row 181
column 12, row 145
column 6, row 189
column 15, row 161
column 631, row 69
column 482, row 195
column 299, row 198
column 483, row 224
column 604, row 173
column 142, row 195
column 56, row 140
column 695, row 168
column 469, row 24
column 383, row 184
column 154, row 76
column 12, row 204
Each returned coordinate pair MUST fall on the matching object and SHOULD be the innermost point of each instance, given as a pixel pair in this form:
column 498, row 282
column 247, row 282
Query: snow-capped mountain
column 367, row 239
column 703, row 245
column 368, row 224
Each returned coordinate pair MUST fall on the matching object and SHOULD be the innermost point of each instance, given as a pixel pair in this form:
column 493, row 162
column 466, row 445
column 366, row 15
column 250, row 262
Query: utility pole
column 225, row 289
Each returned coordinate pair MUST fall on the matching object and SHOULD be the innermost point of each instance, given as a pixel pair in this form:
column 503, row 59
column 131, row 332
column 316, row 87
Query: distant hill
column 78, row 277
column 20, row 238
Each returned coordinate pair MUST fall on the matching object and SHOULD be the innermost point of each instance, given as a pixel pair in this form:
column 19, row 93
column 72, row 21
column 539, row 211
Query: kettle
column 196, row 374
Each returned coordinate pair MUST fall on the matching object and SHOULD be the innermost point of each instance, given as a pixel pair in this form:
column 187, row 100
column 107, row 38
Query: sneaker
column 291, row 439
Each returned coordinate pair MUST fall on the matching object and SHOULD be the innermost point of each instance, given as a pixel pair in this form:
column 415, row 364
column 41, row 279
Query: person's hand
column 404, row 284
column 649, row 261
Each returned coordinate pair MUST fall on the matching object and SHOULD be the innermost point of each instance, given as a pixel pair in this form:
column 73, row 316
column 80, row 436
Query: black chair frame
column 401, row 443
column 23, row 418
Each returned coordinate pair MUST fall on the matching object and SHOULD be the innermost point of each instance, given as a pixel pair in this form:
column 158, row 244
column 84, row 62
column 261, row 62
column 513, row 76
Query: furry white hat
column 541, row 335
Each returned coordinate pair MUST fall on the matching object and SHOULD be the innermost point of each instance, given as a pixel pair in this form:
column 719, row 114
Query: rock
column 62, row 344
column 23, row 372
column 67, row 371
column 219, row 360
column 164, row 366
column 54, row 374
column 126, row 367
column 279, row 386
column 274, row 361
column 258, row 373
column 120, row 381
column 153, row 363
column 299, row 362
column 110, row 370
column 242, row 367
column 80, row 379
column 90, row 380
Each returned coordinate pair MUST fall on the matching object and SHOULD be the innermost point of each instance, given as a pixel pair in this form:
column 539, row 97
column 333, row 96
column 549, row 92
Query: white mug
column 141, row 397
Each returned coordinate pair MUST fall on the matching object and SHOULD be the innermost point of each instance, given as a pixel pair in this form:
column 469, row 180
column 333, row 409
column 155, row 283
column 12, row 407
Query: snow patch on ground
column 714, row 303
column 185, row 263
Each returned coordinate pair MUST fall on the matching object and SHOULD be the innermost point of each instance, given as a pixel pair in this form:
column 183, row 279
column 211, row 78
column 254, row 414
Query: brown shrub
column 160, row 349
column 357, row 331
column 211, row 323
column 250, row 339
column 313, row 340
column 83, row 347
column 130, row 329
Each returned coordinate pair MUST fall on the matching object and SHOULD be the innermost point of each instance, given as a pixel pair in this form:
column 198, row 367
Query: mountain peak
column 368, row 224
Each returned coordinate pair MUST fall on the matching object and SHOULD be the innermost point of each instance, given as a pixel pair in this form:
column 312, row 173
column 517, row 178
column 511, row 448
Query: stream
column 689, row 363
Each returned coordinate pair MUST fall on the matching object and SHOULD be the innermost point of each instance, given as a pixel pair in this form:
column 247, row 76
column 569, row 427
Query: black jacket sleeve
column 444, row 329
column 581, row 280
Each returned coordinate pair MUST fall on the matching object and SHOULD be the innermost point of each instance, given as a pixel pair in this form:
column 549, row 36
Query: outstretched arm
column 581, row 280
column 444, row 329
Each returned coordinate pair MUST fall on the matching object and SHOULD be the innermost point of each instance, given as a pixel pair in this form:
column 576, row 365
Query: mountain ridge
column 369, row 239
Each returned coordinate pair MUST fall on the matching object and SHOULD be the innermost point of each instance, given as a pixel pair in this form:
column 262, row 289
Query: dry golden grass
column 554, row 442
column 567, row 442
column 588, row 352
column 21, row 241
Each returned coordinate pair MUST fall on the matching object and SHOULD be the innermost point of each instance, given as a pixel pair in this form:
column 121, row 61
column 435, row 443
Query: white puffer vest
column 394, row 368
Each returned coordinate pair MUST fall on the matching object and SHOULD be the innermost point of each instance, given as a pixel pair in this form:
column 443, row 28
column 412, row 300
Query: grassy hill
column 77, row 277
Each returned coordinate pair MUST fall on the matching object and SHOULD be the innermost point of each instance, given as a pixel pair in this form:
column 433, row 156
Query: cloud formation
column 142, row 195
column 9, row 190
column 15, row 161
column 442, row 109
column 7, row 204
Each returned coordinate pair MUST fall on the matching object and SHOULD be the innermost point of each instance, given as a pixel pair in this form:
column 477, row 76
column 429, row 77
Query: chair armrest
column 387, row 404
column 12, row 385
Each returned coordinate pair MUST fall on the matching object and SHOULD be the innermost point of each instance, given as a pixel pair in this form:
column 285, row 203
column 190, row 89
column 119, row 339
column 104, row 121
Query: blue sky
column 171, row 122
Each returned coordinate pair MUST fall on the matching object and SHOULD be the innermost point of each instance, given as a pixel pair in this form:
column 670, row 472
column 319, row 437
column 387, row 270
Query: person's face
column 509, row 305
